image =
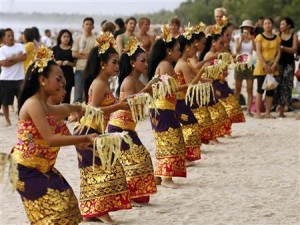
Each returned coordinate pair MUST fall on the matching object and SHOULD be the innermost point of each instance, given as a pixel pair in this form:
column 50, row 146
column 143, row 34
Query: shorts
column 9, row 89
column 246, row 74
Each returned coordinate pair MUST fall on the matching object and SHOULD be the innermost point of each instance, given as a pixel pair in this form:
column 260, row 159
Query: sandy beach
column 251, row 178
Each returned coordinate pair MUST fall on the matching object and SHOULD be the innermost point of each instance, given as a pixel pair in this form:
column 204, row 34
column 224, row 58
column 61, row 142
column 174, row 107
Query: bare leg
column 104, row 219
column 6, row 115
column 169, row 183
column 258, row 104
column 238, row 88
column 281, row 111
column 249, row 96
column 269, row 101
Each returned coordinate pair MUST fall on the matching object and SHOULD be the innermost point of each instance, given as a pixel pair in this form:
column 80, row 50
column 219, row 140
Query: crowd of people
column 184, row 70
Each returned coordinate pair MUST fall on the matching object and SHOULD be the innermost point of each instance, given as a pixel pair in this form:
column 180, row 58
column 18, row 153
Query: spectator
column 80, row 51
column 36, row 37
column 29, row 47
column 108, row 27
column 289, row 44
column 63, row 57
column 12, row 56
column 46, row 39
column 268, row 53
column 174, row 27
column 120, row 27
column 121, row 40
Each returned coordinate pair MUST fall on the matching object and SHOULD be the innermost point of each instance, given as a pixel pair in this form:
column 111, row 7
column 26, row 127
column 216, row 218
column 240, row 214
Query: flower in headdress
column 215, row 30
column 41, row 58
column 224, row 21
column 131, row 45
column 188, row 32
column 199, row 28
column 166, row 33
column 105, row 41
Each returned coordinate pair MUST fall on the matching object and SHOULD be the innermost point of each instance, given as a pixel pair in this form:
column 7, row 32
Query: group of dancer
column 192, row 104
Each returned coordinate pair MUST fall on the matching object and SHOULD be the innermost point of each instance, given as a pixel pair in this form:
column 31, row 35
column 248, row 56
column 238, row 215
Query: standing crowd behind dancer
column 192, row 104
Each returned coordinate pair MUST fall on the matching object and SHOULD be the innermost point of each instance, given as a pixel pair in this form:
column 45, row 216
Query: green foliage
column 195, row 11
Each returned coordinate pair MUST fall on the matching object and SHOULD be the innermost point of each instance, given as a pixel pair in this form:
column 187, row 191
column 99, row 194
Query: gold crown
column 41, row 58
column 131, row 45
column 105, row 41
column 166, row 33
column 199, row 28
column 217, row 29
column 188, row 32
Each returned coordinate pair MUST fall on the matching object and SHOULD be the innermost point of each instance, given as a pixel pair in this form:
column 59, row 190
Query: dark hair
column 268, row 18
column 208, row 44
column 183, row 42
column 28, row 34
column 36, row 33
column 108, row 27
column 1, row 33
column 130, row 18
column 61, row 33
column 31, row 84
column 158, row 53
column 175, row 20
column 47, row 31
column 93, row 68
column 288, row 21
column 7, row 30
column 126, row 67
column 120, row 22
column 88, row 19
column 103, row 22
column 199, row 36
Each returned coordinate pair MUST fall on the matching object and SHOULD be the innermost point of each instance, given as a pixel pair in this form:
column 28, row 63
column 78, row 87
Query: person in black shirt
column 63, row 57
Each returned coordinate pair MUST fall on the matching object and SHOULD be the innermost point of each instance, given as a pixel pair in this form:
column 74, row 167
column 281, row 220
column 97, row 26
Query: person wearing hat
column 245, row 45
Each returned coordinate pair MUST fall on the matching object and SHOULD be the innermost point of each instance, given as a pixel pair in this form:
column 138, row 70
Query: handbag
column 270, row 83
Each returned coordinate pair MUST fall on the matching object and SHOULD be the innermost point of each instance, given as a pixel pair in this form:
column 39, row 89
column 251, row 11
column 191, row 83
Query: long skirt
column 138, row 167
column 283, row 93
column 169, row 142
column 190, row 129
column 101, row 191
column 47, row 197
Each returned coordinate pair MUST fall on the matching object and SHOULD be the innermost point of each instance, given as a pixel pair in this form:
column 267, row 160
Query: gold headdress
column 41, row 58
column 224, row 21
column 199, row 28
column 188, row 32
column 166, row 33
column 105, row 41
column 217, row 29
column 131, row 45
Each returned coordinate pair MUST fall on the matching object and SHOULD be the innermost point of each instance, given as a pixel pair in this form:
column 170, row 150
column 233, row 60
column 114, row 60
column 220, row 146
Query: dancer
column 137, row 160
column 184, row 75
column 170, row 148
column 46, row 195
column 101, row 191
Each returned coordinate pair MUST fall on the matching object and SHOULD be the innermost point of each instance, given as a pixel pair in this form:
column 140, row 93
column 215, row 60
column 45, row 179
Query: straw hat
column 247, row 23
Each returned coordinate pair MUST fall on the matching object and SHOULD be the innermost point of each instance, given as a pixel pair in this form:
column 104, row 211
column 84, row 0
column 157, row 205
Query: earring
column 103, row 67
column 43, row 84
column 169, row 53
column 133, row 66
column 187, row 49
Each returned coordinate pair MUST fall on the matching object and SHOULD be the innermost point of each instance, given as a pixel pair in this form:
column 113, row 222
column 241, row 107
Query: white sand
column 250, row 179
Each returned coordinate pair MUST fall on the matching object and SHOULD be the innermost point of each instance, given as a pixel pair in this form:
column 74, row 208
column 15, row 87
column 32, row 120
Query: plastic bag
column 270, row 83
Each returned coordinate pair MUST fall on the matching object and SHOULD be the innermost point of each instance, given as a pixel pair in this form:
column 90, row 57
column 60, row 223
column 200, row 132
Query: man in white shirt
column 46, row 40
column 12, row 56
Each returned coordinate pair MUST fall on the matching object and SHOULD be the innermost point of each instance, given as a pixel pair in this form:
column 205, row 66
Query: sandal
column 270, row 117
column 249, row 114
